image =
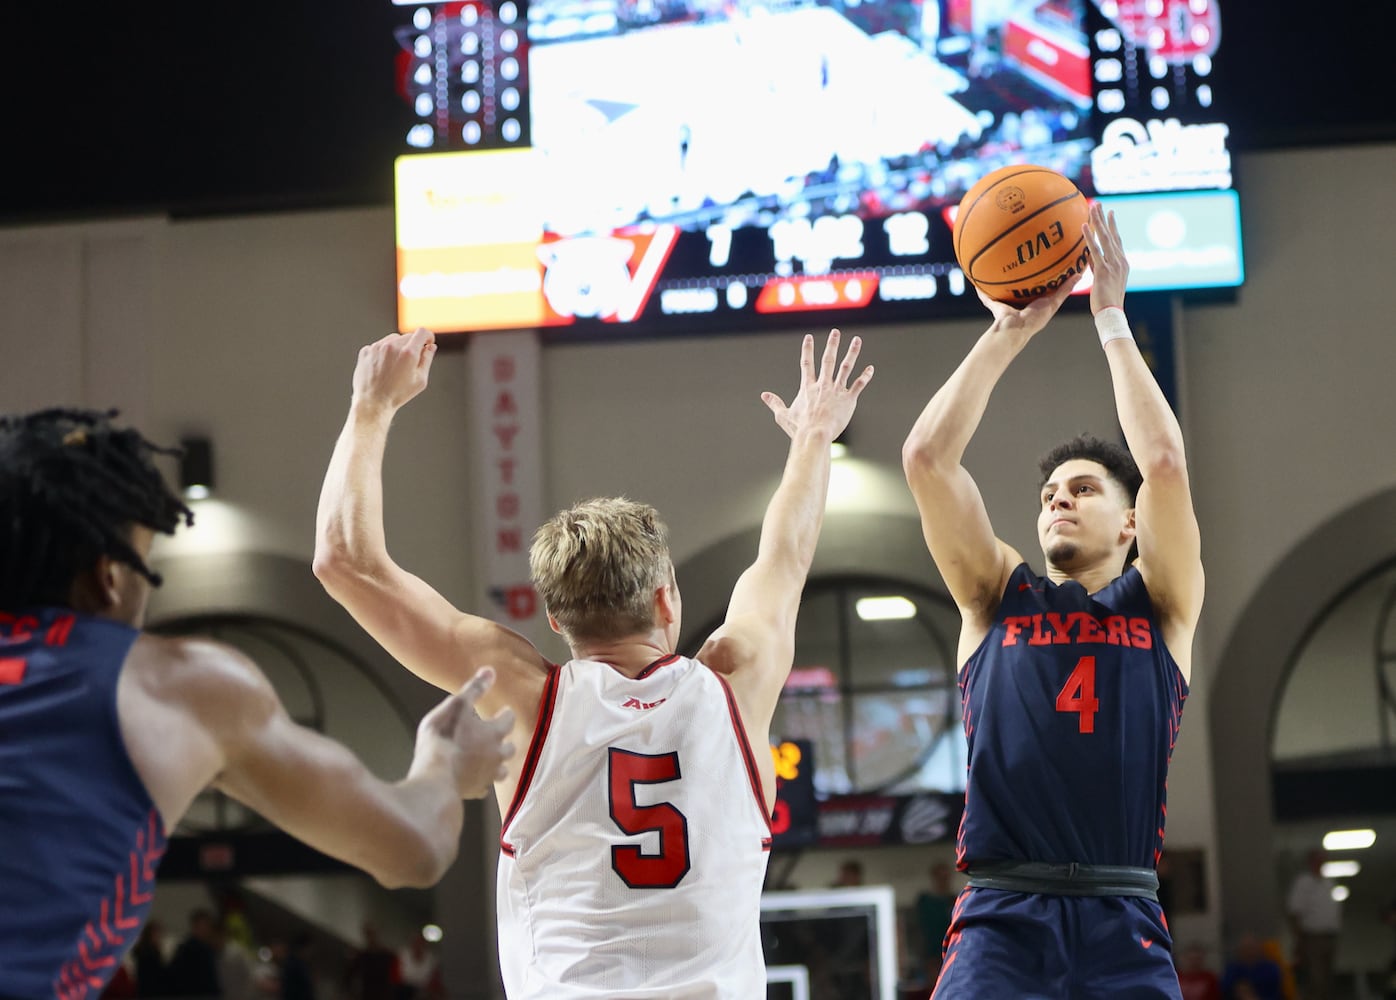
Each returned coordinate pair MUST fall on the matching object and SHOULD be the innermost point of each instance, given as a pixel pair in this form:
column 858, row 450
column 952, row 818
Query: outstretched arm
column 195, row 712
column 1170, row 545
column 974, row 563
column 755, row 644
column 405, row 833
column 409, row 618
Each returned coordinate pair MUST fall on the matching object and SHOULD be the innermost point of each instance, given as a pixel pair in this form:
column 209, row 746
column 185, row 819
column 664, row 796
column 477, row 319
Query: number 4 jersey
column 1071, row 710
column 635, row 849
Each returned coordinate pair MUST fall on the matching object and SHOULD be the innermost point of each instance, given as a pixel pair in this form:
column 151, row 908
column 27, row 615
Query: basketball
column 1018, row 233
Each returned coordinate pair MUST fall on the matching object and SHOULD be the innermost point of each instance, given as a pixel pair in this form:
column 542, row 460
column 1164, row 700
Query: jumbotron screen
column 664, row 166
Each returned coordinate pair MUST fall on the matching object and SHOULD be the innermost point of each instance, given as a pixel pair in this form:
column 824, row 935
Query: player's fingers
column 471, row 691
column 1058, row 295
column 860, row 383
column 504, row 721
column 443, row 718
column 831, row 355
column 506, row 750
column 417, row 339
column 774, row 403
column 1095, row 216
column 849, row 359
column 1095, row 243
column 806, row 359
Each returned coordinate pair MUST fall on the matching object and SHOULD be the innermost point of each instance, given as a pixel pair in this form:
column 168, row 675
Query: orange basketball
column 1018, row 233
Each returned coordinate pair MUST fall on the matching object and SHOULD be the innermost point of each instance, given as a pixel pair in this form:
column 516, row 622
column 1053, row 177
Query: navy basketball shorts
column 1018, row 946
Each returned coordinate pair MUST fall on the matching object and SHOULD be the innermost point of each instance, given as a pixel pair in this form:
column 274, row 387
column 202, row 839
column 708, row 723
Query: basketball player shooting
column 1073, row 683
column 636, row 812
column 107, row 734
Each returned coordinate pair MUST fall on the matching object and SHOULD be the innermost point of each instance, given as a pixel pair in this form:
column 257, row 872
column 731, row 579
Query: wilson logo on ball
column 1025, row 295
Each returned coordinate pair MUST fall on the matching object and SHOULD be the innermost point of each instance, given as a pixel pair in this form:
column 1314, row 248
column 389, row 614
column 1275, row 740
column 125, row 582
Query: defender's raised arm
column 406, row 615
column 756, row 641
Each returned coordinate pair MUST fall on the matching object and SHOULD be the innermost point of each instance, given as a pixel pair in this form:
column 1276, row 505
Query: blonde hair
column 597, row 565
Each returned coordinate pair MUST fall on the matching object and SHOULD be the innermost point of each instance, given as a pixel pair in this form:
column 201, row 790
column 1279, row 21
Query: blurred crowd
column 225, row 959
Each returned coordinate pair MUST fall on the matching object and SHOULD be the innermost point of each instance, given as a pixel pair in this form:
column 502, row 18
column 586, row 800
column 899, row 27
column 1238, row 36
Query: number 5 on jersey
column 1078, row 694
column 666, row 869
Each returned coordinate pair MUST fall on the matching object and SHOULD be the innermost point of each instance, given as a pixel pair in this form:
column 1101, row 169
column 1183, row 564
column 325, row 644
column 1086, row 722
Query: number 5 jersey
column 635, row 848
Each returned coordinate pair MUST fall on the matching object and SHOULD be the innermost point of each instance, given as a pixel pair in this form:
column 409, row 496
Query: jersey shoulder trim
column 748, row 757
column 546, row 706
column 663, row 661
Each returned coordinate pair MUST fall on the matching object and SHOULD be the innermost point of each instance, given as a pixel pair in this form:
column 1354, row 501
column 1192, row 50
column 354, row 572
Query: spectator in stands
column 1251, row 974
column 194, row 968
column 1274, row 950
column 419, row 971
column 235, row 964
column 372, row 969
column 297, row 983
column 148, row 956
column 850, row 873
column 845, row 944
column 1196, row 980
column 933, row 909
column 1315, row 918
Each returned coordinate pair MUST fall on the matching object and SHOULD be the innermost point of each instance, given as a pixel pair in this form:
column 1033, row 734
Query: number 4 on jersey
column 1078, row 694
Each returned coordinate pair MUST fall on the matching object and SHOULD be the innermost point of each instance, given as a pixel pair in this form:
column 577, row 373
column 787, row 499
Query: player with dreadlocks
column 71, row 486
column 107, row 733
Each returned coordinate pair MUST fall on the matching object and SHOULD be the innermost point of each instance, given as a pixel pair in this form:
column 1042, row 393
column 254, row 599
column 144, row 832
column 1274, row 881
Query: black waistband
column 1066, row 879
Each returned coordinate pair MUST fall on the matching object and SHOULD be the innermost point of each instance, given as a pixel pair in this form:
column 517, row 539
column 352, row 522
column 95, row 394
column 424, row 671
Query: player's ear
column 552, row 624
column 97, row 589
column 666, row 609
column 1128, row 532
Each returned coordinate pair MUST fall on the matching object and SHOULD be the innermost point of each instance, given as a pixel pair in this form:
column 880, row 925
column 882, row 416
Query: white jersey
column 635, row 848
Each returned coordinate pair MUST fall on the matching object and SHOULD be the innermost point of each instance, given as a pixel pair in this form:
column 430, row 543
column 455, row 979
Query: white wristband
column 1112, row 324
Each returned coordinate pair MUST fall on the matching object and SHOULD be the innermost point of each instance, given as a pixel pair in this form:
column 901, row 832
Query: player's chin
column 1061, row 554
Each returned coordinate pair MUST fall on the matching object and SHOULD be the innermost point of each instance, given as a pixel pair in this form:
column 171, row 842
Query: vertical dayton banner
column 508, row 432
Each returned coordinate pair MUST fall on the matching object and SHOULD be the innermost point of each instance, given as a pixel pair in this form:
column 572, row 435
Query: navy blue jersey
column 79, row 834
column 1071, row 710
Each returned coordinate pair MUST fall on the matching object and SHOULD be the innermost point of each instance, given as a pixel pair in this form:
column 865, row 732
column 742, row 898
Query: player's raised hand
column 826, row 399
column 477, row 751
column 1109, row 266
column 393, row 370
column 1022, row 324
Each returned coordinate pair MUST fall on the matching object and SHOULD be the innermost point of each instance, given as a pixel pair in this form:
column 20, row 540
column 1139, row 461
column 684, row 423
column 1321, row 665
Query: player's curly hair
column 1118, row 462
column 71, row 487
